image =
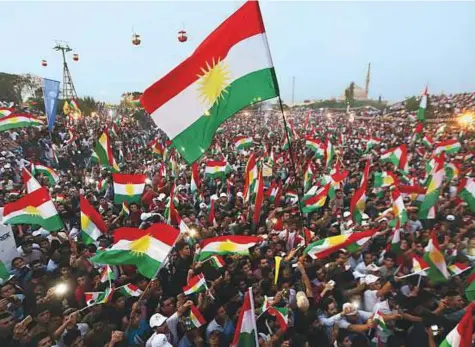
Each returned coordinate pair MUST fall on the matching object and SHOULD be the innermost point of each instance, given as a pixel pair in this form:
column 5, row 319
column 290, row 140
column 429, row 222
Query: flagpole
column 297, row 178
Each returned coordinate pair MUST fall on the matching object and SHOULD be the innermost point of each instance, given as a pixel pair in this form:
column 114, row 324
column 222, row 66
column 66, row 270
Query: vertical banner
column 50, row 94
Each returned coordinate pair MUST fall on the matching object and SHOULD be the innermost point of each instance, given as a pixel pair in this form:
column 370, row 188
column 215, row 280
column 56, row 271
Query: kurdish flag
column 242, row 142
column 103, row 154
column 433, row 188
column 461, row 335
column 35, row 208
column 325, row 247
column 385, row 179
column 216, row 169
column 281, row 314
column 53, row 177
column 250, row 180
column 19, row 120
column 96, row 298
column 107, row 275
column 217, row 261
column 92, row 225
column 435, row 259
column 371, row 142
column 378, row 318
column 5, row 111
column 422, row 106
column 30, row 182
column 275, row 194
column 308, row 178
column 452, row 170
column 427, row 141
column 466, row 191
column 130, row 291
column 128, row 187
column 458, row 268
column 125, row 209
column 196, row 284
column 358, row 200
column 101, row 185
column 397, row 156
column 147, row 249
column 449, row 147
column 315, row 201
column 313, row 144
column 195, row 184
column 223, row 245
column 245, row 334
column 230, row 70
column 329, row 153
column 196, row 318
column 419, row 265
column 399, row 210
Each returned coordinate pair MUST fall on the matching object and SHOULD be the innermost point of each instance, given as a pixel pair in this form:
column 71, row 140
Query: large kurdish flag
column 103, row 153
column 223, row 245
column 461, row 335
column 17, row 120
column 242, row 142
column 34, row 208
column 147, row 249
column 92, row 225
column 128, row 188
column 231, row 69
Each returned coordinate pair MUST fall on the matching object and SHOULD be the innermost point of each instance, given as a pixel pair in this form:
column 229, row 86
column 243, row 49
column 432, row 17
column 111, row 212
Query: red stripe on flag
column 35, row 199
column 244, row 23
column 163, row 232
column 93, row 215
column 193, row 281
column 128, row 179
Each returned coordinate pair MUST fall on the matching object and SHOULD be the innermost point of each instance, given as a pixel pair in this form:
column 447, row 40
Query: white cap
column 349, row 309
column 370, row 279
column 364, row 216
column 157, row 320
column 223, row 195
column 144, row 216
column 159, row 340
column 239, row 194
column 346, row 214
column 203, row 205
column 450, row 218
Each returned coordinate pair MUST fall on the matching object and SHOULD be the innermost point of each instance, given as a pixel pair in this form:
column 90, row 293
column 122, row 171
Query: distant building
column 359, row 94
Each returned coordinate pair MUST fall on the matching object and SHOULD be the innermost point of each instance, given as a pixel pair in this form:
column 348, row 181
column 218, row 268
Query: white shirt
column 370, row 300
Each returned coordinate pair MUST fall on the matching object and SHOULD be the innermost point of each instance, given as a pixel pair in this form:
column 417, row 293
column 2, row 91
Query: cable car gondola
column 182, row 36
column 44, row 63
column 136, row 39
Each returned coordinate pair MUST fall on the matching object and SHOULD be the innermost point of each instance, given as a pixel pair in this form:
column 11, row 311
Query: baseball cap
column 370, row 279
column 203, row 205
column 346, row 214
column 157, row 320
column 223, row 195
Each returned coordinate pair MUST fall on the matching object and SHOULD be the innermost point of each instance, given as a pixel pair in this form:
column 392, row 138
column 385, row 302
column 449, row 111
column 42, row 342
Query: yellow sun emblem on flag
column 32, row 210
column 129, row 189
column 84, row 221
column 213, row 82
column 141, row 246
column 227, row 246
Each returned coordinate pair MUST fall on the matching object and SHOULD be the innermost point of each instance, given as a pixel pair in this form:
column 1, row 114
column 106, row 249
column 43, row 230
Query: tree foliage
column 412, row 104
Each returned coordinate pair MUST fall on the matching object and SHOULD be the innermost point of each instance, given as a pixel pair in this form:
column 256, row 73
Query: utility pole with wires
column 69, row 92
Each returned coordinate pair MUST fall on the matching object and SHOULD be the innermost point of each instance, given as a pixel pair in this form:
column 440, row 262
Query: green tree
column 412, row 104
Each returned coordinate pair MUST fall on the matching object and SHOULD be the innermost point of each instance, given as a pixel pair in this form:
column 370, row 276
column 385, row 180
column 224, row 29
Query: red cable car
column 76, row 57
column 44, row 63
column 136, row 39
column 182, row 37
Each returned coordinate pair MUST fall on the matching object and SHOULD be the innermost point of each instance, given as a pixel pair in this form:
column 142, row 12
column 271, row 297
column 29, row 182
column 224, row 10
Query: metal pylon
column 69, row 92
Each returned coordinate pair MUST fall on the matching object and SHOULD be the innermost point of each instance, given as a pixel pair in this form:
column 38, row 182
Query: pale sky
column 325, row 45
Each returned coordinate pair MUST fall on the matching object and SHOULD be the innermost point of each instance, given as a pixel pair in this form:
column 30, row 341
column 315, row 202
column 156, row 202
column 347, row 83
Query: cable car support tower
column 69, row 92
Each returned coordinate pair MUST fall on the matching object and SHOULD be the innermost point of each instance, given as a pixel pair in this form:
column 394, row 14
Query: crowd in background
column 331, row 302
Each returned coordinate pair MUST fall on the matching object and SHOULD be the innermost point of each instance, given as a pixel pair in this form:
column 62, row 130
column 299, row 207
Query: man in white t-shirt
column 375, row 292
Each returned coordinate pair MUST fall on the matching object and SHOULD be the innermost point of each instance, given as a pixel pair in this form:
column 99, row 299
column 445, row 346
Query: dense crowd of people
column 331, row 301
